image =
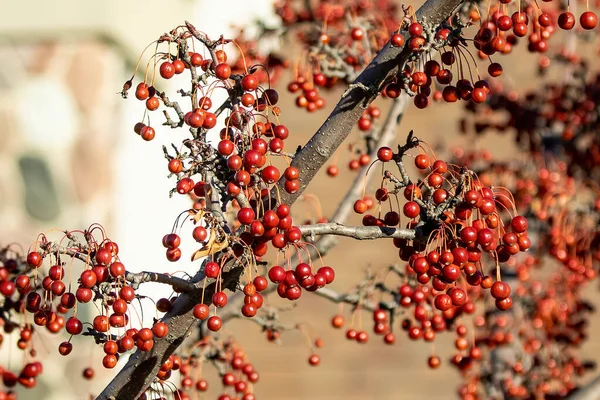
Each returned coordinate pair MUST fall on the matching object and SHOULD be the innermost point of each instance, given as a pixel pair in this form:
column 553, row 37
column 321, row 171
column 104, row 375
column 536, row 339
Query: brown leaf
column 211, row 247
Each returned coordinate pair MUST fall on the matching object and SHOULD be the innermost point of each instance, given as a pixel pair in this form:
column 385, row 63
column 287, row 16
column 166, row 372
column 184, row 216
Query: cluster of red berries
column 11, row 266
column 420, row 80
column 381, row 326
column 45, row 292
column 339, row 47
column 573, row 104
column 293, row 13
column 238, row 375
column 308, row 92
column 417, row 78
column 27, row 378
column 492, row 37
column 369, row 116
column 465, row 206
column 552, row 313
column 444, row 276
column 243, row 161
column 424, row 323
column 291, row 282
column 242, row 158
column 253, row 300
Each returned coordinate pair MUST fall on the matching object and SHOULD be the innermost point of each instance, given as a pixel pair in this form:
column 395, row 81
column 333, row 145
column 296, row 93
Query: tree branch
column 386, row 136
column 141, row 368
column 178, row 284
column 347, row 112
column 591, row 391
column 327, row 242
column 348, row 298
column 357, row 232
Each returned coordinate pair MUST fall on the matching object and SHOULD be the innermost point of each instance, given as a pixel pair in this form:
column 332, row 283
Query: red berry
column 519, row 224
column 504, row 304
column 434, row 362
column 179, row 66
column 385, row 154
column 500, row 290
column 357, row 34
column 422, row 161
column 270, row 174
column 167, row 70
column 201, row 311
column 200, row 234
column 175, row 166
column 443, row 302
column 212, row 269
column 219, row 299
column 588, row 20
column 566, row 20
column 223, row 71
column 195, row 59
column 246, row 216
column 34, row 259
column 415, row 29
column 277, row 274
column 249, row 82
column 411, row 209
column 171, row 241
column 397, row 40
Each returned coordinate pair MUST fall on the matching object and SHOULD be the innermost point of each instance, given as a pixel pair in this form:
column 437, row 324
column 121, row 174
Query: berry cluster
column 469, row 225
column 291, row 282
column 238, row 375
column 338, row 47
column 308, row 92
column 459, row 220
column 571, row 104
column 45, row 292
column 552, row 313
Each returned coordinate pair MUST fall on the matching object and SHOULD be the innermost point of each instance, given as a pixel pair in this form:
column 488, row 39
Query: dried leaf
column 199, row 215
column 211, row 247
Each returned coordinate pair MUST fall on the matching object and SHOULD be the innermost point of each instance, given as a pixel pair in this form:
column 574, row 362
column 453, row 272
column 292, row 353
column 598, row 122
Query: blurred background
column 69, row 158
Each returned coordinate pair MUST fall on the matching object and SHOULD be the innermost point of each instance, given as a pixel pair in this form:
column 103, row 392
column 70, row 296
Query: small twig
column 179, row 284
column 356, row 232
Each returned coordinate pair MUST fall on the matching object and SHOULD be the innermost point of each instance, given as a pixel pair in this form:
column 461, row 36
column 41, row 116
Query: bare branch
column 174, row 105
column 141, row 368
column 349, row 298
column 179, row 284
column 386, row 136
column 591, row 391
column 357, row 232
column 347, row 112
column 202, row 37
